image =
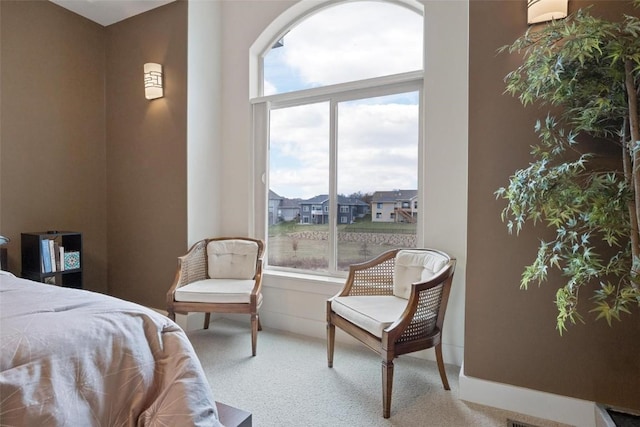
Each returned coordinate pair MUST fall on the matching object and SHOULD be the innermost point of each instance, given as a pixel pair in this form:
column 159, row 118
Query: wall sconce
column 546, row 10
column 153, row 81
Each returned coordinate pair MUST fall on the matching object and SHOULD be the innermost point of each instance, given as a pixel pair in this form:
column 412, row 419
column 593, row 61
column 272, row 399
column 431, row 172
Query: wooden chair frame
column 193, row 266
column 375, row 277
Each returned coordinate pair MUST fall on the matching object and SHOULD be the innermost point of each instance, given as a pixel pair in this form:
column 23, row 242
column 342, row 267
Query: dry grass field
column 304, row 246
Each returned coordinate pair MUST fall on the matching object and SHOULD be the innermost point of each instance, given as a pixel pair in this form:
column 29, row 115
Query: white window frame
column 367, row 88
column 334, row 94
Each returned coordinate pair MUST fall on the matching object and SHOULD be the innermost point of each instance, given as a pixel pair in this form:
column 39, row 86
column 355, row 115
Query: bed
column 72, row 357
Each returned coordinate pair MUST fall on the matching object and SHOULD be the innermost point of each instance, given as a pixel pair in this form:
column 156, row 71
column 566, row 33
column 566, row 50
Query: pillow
column 414, row 266
column 232, row 259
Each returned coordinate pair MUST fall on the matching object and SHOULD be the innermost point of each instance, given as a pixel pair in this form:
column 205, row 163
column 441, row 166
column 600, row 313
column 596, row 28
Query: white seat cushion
column 217, row 291
column 415, row 266
column 372, row 313
column 232, row 259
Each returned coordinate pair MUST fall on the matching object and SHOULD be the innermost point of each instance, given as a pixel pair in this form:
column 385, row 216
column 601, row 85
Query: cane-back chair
column 394, row 304
column 220, row 275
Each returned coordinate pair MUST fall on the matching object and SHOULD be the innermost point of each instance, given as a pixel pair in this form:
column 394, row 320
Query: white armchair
column 220, row 275
column 395, row 304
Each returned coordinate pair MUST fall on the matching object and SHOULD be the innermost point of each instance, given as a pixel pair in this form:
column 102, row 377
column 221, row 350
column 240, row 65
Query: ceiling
column 107, row 12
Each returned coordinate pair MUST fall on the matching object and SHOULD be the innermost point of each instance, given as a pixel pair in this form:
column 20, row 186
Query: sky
column 378, row 137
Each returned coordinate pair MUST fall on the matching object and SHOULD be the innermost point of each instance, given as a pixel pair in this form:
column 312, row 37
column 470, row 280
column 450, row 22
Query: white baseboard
column 603, row 419
column 191, row 321
column 526, row 401
column 188, row 322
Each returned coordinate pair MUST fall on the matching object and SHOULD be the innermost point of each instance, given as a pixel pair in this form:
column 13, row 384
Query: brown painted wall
column 82, row 149
column 52, row 138
column 146, row 154
column 510, row 334
column 118, row 173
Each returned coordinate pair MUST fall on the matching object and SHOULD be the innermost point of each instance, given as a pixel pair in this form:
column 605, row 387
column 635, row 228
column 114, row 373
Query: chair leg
column 259, row 323
column 387, row 386
column 331, row 337
column 443, row 373
column 207, row 318
column 254, row 333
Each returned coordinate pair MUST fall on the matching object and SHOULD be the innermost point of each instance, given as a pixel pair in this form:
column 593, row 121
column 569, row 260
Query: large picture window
column 339, row 130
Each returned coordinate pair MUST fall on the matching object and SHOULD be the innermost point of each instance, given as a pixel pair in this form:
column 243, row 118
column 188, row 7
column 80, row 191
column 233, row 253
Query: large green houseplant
column 587, row 71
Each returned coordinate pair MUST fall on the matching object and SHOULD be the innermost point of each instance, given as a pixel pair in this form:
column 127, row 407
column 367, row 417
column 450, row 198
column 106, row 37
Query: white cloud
column 353, row 41
column 377, row 141
column 300, row 151
column 269, row 88
column 377, row 149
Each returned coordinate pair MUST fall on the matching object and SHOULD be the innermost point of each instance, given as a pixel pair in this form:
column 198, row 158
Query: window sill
column 300, row 282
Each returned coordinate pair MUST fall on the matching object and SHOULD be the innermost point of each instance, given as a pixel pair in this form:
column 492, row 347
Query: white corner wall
column 204, row 105
column 297, row 303
column 446, row 149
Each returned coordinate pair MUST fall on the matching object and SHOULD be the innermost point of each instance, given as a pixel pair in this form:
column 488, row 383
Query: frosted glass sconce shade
column 153, row 81
column 546, row 10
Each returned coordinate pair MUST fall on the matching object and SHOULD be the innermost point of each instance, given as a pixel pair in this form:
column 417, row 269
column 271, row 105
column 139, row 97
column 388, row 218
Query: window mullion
column 378, row 86
column 333, row 185
column 420, row 229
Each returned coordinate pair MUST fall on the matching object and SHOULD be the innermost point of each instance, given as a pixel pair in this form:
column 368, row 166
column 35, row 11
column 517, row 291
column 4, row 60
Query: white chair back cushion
column 232, row 259
column 415, row 266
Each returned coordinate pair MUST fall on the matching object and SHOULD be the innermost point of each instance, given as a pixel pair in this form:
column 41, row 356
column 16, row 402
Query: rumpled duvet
column 72, row 357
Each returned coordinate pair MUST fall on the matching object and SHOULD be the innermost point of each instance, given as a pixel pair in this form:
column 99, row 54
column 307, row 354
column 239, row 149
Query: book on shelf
column 45, row 256
column 52, row 254
column 54, row 258
column 60, row 258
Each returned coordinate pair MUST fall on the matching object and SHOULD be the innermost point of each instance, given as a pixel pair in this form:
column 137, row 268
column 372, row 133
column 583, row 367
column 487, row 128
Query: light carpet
column 288, row 383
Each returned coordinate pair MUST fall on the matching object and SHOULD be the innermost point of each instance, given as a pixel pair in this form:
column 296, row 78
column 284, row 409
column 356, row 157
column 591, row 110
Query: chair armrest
column 191, row 267
column 374, row 277
column 257, row 288
column 426, row 308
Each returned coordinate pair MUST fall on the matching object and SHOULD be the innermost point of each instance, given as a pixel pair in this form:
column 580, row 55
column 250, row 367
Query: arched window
column 338, row 134
column 344, row 43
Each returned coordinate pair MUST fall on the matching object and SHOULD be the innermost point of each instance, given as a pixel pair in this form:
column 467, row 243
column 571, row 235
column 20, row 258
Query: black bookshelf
column 64, row 268
column 4, row 259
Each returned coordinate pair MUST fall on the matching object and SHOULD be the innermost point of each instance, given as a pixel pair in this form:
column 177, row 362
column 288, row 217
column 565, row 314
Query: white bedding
column 71, row 357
